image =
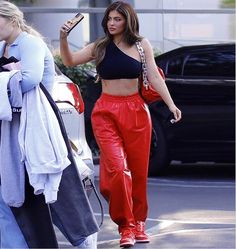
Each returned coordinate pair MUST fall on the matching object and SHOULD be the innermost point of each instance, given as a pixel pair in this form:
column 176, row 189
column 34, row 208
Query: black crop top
column 118, row 65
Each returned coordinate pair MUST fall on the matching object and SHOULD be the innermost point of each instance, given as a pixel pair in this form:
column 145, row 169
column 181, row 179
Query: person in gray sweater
column 31, row 223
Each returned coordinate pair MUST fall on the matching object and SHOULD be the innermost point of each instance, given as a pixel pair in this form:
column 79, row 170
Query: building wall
column 49, row 24
column 165, row 32
column 173, row 30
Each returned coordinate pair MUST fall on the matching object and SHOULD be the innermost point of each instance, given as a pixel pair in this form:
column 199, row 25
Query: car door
column 206, row 96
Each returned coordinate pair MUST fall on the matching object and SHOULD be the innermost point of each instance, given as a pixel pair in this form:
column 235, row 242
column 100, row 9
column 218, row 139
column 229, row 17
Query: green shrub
column 77, row 74
column 156, row 52
column 228, row 4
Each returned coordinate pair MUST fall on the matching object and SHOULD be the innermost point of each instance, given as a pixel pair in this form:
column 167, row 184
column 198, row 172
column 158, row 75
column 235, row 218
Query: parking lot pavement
column 170, row 234
column 186, row 211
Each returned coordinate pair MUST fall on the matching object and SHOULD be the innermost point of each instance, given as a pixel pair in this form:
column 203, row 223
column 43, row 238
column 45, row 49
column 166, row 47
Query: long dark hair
column 131, row 33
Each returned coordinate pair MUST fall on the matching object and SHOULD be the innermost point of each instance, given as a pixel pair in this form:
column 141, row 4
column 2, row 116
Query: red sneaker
column 127, row 239
column 140, row 235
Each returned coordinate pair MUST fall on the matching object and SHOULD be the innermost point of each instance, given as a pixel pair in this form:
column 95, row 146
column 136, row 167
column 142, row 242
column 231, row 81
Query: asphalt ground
column 189, row 208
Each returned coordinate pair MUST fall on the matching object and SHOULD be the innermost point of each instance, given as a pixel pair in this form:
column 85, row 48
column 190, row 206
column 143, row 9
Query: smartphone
column 74, row 21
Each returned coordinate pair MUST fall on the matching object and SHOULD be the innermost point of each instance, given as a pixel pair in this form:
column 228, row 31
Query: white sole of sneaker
column 127, row 245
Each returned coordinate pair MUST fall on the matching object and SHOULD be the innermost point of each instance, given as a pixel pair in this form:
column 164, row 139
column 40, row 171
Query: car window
column 174, row 66
column 211, row 64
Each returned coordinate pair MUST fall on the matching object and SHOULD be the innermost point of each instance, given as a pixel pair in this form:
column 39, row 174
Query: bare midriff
column 120, row 87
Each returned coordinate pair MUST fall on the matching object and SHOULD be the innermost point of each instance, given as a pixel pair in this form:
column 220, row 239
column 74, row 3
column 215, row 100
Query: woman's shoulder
column 145, row 43
column 91, row 45
column 29, row 39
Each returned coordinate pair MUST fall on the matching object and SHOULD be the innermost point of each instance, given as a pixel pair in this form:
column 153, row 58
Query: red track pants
column 122, row 127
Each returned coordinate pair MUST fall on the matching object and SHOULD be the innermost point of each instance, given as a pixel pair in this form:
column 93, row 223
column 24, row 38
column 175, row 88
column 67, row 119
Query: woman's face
column 6, row 28
column 116, row 23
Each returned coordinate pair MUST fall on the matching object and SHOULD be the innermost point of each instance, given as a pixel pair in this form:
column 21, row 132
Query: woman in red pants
column 120, row 119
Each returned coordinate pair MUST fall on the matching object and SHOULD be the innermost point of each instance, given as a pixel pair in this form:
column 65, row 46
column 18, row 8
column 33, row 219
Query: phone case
column 74, row 21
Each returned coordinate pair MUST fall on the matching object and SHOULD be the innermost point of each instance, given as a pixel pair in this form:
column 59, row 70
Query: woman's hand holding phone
column 74, row 21
column 70, row 24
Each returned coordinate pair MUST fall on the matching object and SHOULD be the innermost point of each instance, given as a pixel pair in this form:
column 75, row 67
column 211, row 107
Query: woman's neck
column 13, row 36
column 118, row 39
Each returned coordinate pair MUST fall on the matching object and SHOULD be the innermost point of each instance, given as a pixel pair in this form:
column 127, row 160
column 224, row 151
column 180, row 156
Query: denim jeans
column 10, row 233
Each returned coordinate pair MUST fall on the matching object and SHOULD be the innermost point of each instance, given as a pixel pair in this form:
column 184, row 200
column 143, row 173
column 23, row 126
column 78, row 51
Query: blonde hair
column 11, row 12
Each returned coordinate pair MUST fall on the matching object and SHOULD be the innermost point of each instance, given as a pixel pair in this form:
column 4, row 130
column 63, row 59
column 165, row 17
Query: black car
column 201, row 80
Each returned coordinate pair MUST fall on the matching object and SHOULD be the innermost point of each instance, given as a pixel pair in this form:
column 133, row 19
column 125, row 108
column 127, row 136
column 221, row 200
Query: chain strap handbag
column 147, row 92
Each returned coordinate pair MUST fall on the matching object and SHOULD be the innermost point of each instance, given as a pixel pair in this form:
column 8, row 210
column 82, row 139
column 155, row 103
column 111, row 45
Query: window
column 175, row 66
column 211, row 64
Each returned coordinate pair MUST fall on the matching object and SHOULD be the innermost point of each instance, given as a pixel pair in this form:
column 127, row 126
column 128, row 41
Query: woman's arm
column 157, row 81
column 73, row 58
column 32, row 54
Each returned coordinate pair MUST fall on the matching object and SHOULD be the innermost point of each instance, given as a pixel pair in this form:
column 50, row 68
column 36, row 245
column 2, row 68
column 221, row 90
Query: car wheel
column 159, row 160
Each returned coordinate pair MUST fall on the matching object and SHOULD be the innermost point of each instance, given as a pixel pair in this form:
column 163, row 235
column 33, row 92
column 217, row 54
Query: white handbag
column 83, row 170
